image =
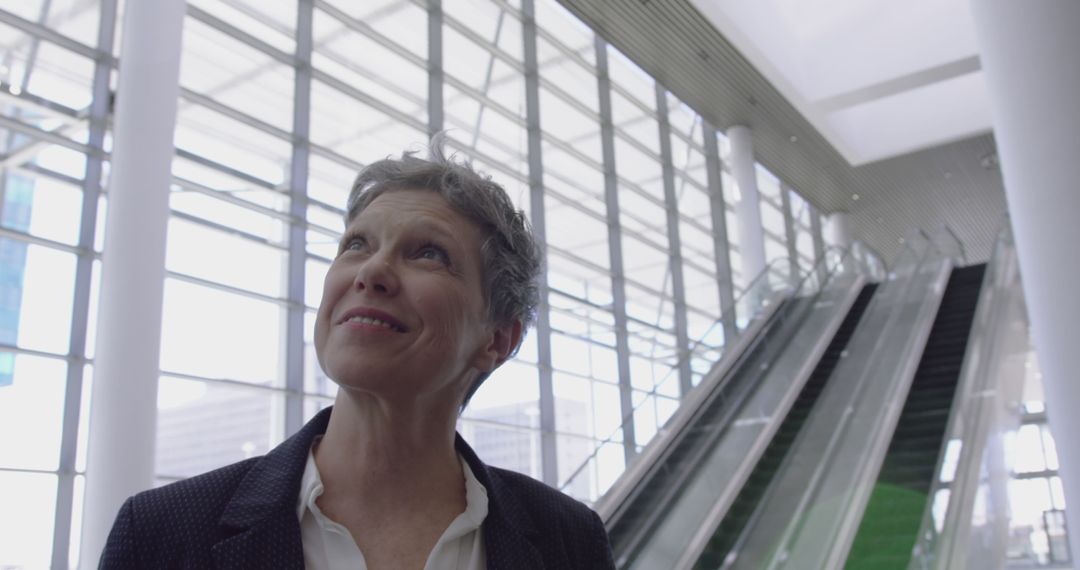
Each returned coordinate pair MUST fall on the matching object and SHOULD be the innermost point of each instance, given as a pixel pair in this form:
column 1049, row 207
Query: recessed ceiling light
column 794, row 138
column 948, row 175
column 854, row 196
column 899, row 240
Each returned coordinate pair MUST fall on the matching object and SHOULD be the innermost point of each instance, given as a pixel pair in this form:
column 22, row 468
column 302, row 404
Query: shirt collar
column 476, row 497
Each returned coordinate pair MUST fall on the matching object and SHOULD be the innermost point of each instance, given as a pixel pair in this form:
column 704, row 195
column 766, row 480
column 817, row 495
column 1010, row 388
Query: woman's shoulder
column 193, row 495
column 567, row 525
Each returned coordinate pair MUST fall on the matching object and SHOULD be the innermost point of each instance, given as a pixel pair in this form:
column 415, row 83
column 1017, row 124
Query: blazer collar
column 509, row 531
column 261, row 529
column 259, row 521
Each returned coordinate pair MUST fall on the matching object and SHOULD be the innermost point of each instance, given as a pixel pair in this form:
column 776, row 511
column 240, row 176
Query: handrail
column 970, row 416
column 820, row 540
column 762, row 277
column 813, row 283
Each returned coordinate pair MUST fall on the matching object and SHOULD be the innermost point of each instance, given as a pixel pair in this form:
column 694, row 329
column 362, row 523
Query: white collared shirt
column 328, row 545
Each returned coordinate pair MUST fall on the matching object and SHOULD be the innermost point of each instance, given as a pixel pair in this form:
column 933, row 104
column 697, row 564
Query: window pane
column 207, row 253
column 39, row 287
column 32, row 412
column 28, row 501
column 203, row 425
column 517, row 449
column 211, row 333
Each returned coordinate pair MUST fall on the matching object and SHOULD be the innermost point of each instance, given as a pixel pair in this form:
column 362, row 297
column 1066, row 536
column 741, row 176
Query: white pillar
column 123, row 413
column 1028, row 52
column 748, row 207
column 838, row 230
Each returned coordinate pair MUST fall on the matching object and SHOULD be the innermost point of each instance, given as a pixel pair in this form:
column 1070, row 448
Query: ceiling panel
column 673, row 42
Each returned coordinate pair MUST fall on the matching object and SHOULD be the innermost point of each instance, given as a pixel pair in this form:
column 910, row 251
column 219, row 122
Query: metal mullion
column 626, row 138
column 70, row 359
column 577, row 259
column 572, row 185
column 548, row 445
column 568, row 51
column 815, row 234
column 571, row 150
column 615, row 253
column 568, row 98
column 476, row 94
column 675, row 258
column 48, row 137
column 651, row 113
column 226, row 196
column 365, row 29
column 238, row 175
column 373, row 77
column 334, row 156
column 235, row 114
column 225, row 382
column 789, row 231
column 280, row 301
column 298, row 226
column 483, row 42
column 488, row 160
column 226, row 229
column 24, row 237
column 436, row 74
column 25, row 100
column 84, row 265
column 32, row 147
column 236, row 33
column 39, row 31
column 37, row 170
column 487, row 80
column 378, row 105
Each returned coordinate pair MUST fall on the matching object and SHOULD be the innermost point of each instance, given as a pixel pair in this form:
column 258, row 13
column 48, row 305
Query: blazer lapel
column 509, row 532
column 259, row 525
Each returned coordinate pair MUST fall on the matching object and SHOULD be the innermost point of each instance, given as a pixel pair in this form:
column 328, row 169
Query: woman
column 432, row 289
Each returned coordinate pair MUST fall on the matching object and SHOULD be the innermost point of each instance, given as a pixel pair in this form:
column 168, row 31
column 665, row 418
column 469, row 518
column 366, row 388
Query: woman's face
column 403, row 312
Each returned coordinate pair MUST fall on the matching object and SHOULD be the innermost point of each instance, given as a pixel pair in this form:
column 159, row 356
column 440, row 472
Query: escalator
column 892, row 517
column 731, row 527
column 631, row 521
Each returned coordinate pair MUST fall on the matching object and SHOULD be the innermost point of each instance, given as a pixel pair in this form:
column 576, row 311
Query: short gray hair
column 510, row 254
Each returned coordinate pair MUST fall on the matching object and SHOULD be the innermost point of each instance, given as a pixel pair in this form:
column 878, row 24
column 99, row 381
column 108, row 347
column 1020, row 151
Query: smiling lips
column 374, row 318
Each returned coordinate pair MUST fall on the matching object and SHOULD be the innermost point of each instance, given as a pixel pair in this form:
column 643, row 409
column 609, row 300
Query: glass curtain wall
column 259, row 183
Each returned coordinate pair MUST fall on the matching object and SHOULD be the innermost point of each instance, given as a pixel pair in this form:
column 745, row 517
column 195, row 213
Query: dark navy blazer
column 244, row 516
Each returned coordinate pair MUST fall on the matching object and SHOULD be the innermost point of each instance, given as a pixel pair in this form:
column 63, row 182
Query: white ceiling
column 877, row 78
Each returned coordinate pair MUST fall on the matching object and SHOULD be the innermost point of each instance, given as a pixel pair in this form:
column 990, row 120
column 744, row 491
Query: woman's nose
column 377, row 274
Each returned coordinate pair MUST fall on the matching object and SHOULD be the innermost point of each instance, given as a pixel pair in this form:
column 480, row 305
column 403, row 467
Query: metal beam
column 724, row 280
column 791, row 238
column 618, row 279
column 73, row 389
column 298, row 186
column 436, row 117
column 549, row 457
column 671, row 209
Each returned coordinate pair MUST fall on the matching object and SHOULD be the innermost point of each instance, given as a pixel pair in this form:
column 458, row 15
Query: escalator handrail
column 842, row 543
column 718, row 427
column 976, row 371
column 762, row 278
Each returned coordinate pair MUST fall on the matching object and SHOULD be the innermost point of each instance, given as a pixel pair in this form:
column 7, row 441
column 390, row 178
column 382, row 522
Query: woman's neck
column 381, row 454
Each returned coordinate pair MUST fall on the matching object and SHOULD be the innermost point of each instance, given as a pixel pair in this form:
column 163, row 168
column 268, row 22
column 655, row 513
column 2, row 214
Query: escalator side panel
column 887, row 532
column 727, row 534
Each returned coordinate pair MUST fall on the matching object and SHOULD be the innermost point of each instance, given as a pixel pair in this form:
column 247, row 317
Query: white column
column 748, row 206
column 1028, row 52
column 123, row 413
column 838, row 230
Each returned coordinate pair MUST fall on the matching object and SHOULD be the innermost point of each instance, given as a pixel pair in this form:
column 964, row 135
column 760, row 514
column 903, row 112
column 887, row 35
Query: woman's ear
column 504, row 340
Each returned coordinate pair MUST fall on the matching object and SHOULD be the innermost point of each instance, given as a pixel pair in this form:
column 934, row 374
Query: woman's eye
column 354, row 244
column 434, row 253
